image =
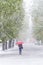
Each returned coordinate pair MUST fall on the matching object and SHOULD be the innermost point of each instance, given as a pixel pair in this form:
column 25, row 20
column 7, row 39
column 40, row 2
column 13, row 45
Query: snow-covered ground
column 31, row 55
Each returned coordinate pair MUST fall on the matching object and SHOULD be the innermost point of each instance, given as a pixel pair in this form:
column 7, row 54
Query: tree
column 37, row 14
column 11, row 17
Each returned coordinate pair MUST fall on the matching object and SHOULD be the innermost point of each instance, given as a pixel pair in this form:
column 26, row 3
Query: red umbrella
column 19, row 42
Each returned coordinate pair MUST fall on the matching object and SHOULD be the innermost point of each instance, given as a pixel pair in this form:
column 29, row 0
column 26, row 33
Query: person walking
column 20, row 45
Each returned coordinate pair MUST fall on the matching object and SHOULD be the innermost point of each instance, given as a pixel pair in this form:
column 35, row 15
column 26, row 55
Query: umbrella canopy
column 19, row 42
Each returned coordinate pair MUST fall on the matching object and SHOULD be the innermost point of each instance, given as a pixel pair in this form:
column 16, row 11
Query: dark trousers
column 20, row 51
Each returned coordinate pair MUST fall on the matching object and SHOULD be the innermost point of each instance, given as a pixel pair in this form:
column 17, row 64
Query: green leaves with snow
column 11, row 17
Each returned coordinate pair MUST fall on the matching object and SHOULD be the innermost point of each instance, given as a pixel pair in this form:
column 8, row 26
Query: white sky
column 27, row 4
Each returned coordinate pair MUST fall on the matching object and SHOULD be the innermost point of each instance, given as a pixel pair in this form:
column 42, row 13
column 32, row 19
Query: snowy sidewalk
column 9, row 51
column 28, row 51
column 32, row 55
